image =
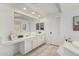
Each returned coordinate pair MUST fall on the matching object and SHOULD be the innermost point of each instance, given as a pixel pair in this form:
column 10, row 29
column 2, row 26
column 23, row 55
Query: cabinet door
column 39, row 40
column 43, row 38
column 28, row 45
column 34, row 43
column 21, row 47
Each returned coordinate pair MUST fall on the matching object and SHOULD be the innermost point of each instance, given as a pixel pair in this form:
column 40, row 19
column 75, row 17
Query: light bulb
column 24, row 8
column 33, row 12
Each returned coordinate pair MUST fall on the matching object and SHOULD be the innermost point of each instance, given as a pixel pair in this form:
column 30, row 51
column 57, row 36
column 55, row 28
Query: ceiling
column 69, row 6
column 41, row 10
column 44, row 8
column 21, row 16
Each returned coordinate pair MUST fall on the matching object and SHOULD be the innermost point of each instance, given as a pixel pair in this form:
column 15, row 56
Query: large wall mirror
column 20, row 22
column 17, row 26
column 25, row 23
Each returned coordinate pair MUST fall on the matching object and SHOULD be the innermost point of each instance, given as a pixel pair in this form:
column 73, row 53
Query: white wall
column 67, row 24
column 33, row 25
column 52, row 24
column 6, row 26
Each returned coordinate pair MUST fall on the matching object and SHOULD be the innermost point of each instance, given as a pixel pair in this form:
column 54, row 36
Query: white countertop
column 10, row 42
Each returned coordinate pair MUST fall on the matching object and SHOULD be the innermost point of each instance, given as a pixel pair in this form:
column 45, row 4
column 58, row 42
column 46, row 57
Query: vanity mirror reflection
column 20, row 23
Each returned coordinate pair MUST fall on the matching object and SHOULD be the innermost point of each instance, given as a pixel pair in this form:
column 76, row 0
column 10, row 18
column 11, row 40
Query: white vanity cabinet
column 39, row 40
column 28, row 45
column 43, row 38
column 31, row 43
column 34, row 42
column 25, row 46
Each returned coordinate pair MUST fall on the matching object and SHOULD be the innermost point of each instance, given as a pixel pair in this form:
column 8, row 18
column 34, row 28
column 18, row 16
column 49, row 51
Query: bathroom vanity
column 31, row 43
column 27, row 42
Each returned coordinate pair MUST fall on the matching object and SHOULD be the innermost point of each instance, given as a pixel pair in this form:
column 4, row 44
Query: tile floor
column 44, row 50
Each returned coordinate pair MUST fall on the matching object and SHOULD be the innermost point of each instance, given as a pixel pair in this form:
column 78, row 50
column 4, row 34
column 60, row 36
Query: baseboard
column 54, row 44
